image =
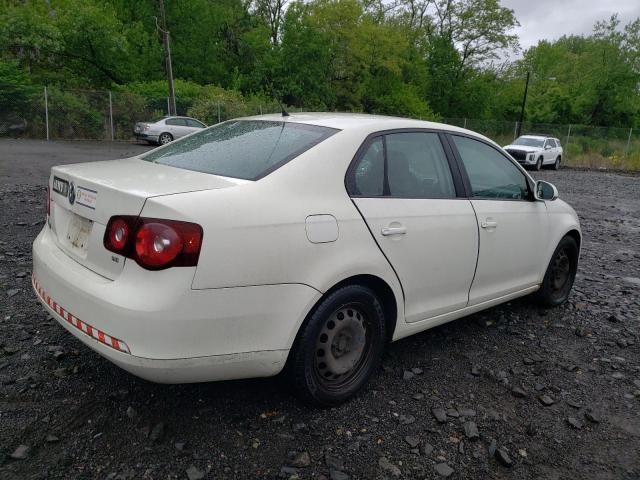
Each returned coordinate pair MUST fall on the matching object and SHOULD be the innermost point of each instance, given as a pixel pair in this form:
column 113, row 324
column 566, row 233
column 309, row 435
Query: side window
column 491, row 174
column 368, row 175
column 194, row 123
column 178, row 122
column 417, row 166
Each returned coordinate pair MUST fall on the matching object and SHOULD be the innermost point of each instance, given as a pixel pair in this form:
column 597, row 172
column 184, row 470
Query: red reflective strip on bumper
column 77, row 323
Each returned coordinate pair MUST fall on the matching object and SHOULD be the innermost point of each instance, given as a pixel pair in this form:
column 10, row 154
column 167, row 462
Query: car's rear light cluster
column 47, row 202
column 154, row 243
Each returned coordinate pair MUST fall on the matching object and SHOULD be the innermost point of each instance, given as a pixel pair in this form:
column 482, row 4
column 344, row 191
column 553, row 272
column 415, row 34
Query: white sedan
column 303, row 243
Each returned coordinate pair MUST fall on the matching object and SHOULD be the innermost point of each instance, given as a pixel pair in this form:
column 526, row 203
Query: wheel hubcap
column 341, row 344
column 560, row 270
column 164, row 139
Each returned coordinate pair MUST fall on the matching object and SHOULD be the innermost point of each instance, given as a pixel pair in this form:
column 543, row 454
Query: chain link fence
column 584, row 146
column 56, row 114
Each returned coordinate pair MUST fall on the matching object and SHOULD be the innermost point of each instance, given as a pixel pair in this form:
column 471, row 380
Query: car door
column 403, row 185
column 549, row 150
column 177, row 127
column 512, row 224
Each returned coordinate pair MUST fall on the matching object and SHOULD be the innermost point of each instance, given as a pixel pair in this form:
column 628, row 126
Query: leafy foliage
column 417, row 58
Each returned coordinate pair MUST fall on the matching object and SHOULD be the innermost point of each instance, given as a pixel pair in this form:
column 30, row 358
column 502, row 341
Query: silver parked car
column 166, row 129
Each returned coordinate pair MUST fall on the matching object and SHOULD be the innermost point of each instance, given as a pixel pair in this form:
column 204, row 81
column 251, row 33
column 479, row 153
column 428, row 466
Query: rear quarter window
column 247, row 149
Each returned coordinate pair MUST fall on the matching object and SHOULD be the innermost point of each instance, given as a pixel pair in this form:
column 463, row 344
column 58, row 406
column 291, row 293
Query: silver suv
column 166, row 129
column 536, row 151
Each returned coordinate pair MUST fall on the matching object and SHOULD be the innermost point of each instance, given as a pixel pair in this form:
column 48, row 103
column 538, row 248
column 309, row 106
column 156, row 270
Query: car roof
column 359, row 121
column 535, row 137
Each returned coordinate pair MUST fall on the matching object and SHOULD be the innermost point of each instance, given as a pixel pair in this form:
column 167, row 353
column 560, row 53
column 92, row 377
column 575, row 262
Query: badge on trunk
column 60, row 186
column 72, row 194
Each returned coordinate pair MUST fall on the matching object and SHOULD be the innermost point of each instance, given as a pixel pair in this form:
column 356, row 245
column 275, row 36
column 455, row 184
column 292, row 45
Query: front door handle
column 394, row 230
column 489, row 224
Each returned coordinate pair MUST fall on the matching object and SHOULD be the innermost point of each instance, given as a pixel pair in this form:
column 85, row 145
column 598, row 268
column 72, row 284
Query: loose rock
column 21, row 452
column 546, row 400
column 503, row 457
column 157, row 432
column 518, row 392
column 439, row 414
column 444, row 470
column 301, row 460
column 574, row 422
column 388, row 467
column 194, row 473
column 427, row 449
column 471, row 430
column 412, row 440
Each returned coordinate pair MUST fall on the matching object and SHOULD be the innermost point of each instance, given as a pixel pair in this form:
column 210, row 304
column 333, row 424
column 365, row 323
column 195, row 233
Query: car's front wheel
column 165, row 138
column 556, row 165
column 539, row 164
column 338, row 348
column 560, row 274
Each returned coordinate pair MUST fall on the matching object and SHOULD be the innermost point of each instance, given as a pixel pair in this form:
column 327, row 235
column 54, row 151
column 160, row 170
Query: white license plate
column 79, row 232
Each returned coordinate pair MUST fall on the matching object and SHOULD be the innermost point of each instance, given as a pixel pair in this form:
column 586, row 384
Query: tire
column 539, row 164
column 560, row 274
column 164, row 138
column 351, row 323
column 556, row 165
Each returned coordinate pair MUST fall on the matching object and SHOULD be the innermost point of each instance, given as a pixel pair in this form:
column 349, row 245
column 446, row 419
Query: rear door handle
column 489, row 224
column 395, row 230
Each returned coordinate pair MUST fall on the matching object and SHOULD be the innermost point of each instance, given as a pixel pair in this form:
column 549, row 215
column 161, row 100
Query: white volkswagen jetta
column 302, row 243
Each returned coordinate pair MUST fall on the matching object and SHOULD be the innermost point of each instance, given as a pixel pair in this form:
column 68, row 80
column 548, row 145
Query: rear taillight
column 117, row 235
column 47, row 202
column 154, row 243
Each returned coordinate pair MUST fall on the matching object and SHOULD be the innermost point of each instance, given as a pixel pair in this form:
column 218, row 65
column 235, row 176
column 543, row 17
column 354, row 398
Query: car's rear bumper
column 163, row 330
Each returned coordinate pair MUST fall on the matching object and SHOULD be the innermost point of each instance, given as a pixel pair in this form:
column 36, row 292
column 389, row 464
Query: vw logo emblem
column 72, row 193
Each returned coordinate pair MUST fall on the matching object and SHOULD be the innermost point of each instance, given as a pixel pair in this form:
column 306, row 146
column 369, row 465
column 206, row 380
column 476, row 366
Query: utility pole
column 524, row 102
column 167, row 53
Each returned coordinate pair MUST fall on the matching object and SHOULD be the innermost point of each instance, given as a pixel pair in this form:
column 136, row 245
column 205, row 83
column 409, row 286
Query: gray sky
column 550, row 19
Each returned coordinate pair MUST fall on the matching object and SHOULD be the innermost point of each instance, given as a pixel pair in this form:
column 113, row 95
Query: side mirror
column 547, row 147
column 546, row 191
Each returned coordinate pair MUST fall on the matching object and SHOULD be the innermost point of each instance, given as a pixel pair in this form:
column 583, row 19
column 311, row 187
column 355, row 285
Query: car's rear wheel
column 539, row 164
column 560, row 274
column 338, row 348
column 165, row 138
column 556, row 165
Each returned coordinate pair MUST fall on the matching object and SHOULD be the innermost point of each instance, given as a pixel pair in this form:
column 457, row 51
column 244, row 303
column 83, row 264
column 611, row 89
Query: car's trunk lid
column 84, row 196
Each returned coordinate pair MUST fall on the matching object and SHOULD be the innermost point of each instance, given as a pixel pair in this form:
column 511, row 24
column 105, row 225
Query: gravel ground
column 514, row 392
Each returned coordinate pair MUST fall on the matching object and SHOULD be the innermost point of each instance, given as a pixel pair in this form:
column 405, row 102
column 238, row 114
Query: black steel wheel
column 338, row 348
column 560, row 273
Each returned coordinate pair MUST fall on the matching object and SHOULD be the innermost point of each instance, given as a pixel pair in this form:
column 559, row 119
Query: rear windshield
column 248, row 149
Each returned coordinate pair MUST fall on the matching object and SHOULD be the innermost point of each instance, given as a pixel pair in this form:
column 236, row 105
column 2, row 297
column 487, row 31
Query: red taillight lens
column 117, row 235
column 154, row 243
column 157, row 244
